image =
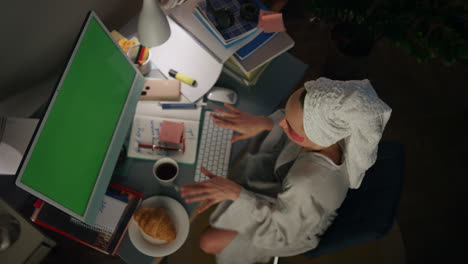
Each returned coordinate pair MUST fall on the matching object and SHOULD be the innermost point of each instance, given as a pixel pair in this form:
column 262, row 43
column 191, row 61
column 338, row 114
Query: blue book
column 255, row 44
column 230, row 44
column 239, row 27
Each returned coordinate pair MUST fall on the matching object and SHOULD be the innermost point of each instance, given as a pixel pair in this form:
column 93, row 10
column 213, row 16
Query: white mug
column 165, row 170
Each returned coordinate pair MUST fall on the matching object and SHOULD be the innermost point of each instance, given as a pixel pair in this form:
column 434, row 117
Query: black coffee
column 166, row 171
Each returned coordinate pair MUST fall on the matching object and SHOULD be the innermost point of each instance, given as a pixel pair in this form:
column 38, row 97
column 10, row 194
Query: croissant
column 156, row 223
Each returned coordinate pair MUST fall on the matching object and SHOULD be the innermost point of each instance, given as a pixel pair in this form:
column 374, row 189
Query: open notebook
column 107, row 233
column 146, row 130
column 109, row 214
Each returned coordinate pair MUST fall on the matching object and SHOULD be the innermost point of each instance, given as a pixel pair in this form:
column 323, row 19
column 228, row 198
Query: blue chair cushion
column 368, row 213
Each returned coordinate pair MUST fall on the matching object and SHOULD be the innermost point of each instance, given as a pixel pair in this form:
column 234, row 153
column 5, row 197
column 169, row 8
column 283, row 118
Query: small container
column 145, row 67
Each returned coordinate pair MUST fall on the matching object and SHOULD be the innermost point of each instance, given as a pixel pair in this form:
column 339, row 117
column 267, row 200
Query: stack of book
column 256, row 62
column 251, row 60
column 233, row 69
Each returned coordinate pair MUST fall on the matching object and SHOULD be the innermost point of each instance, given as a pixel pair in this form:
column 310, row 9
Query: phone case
column 161, row 90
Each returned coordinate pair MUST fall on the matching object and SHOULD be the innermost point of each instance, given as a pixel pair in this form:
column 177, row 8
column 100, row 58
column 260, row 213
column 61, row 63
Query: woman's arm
column 312, row 191
column 212, row 191
column 272, row 223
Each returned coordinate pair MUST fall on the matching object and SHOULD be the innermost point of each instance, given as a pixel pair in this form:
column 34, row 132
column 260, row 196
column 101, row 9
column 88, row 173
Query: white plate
column 181, row 221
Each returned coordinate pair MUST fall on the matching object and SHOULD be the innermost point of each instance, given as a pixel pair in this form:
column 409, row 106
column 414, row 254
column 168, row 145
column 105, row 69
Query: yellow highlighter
column 182, row 77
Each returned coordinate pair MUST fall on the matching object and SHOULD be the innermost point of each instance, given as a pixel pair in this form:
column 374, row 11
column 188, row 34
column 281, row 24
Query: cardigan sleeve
column 275, row 223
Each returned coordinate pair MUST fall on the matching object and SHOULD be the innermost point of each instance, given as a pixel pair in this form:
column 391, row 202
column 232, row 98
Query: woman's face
column 292, row 123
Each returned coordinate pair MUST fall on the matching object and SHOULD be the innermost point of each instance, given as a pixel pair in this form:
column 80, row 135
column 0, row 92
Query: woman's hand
column 212, row 191
column 246, row 125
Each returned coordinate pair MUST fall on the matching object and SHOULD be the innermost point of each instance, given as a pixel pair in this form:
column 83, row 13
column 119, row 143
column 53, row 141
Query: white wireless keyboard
column 214, row 150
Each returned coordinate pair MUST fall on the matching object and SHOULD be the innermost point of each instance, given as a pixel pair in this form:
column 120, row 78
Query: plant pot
column 354, row 40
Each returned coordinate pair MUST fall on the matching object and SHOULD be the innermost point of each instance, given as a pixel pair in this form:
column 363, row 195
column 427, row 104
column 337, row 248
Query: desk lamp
column 153, row 27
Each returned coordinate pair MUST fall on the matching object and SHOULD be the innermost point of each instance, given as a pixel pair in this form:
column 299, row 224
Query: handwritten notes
column 109, row 214
column 147, row 130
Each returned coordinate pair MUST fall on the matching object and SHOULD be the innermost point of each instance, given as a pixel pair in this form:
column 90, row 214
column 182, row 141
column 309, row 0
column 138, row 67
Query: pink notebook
column 171, row 132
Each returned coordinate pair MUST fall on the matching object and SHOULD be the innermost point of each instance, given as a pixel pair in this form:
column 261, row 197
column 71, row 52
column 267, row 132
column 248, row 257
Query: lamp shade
column 153, row 28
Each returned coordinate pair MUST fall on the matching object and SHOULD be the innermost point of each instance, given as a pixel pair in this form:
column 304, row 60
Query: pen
column 147, row 146
column 182, row 77
column 141, row 59
column 138, row 54
column 146, row 54
column 181, row 106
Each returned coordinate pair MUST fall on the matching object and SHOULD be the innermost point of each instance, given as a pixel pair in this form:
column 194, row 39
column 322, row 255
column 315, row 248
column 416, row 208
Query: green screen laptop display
column 66, row 157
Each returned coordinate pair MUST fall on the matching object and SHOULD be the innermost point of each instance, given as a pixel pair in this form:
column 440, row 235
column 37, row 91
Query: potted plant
column 427, row 29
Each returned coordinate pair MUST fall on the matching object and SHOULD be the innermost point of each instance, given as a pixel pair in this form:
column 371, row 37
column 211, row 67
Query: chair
column 367, row 213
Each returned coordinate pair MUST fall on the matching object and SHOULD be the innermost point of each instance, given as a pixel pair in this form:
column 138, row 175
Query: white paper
column 109, row 214
column 18, row 132
column 10, row 159
column 183, row 54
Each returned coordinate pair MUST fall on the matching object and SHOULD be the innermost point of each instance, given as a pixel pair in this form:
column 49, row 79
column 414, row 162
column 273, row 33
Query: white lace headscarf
column 349, row 110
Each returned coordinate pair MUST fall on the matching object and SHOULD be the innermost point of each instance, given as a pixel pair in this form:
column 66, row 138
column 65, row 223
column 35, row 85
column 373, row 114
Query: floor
column 429, row 115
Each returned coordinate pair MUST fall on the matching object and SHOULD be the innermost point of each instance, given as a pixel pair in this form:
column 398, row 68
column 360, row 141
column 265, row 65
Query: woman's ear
column 296, row 138
column 291, row 134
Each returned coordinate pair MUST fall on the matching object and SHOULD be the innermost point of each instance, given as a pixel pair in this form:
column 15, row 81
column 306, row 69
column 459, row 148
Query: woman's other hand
column 246, row 125
column 212, row 191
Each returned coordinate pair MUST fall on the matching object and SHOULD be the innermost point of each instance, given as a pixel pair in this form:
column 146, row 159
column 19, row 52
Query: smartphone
column 161, row 90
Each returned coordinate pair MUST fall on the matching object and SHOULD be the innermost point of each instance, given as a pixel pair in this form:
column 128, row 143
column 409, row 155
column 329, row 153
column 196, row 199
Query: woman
column 286, row 194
